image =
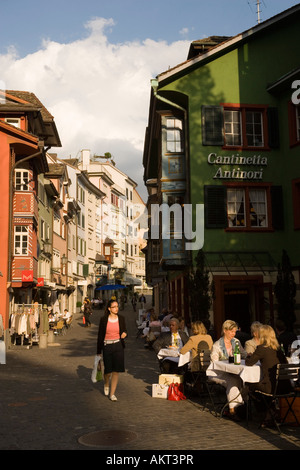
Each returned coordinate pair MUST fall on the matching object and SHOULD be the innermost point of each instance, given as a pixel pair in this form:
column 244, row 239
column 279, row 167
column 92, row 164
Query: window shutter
column 212, row 125
column 273, row 127
column 215, row 206
column 277, row 207
column 85, row 270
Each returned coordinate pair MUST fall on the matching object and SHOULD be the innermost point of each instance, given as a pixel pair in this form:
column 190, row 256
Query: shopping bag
column 99, row 376
column 83, row 320
column 167, row 379
column 96, row 376
column 160, row 391
column 174, row 392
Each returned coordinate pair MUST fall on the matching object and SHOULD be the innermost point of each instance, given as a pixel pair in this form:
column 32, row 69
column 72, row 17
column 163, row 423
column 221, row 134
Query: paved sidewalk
column 48, row 402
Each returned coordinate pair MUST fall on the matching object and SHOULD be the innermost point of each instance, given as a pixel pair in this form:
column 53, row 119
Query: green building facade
column 224, row 132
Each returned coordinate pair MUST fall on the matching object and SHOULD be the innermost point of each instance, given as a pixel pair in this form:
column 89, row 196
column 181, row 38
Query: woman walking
column 87, row 311
column 111, row 335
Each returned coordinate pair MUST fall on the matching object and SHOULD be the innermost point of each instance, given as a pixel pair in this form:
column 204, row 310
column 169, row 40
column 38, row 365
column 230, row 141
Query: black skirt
column 113, row 358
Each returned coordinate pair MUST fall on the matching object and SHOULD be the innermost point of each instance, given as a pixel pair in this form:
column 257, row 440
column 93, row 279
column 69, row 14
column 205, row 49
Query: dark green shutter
column 85, row 270
column 215, row 206
column 212, row 125
column 277, row 207
column 273, row 128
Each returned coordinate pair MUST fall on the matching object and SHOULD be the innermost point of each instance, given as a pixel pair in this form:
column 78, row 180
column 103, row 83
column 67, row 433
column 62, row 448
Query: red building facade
column 27, row 131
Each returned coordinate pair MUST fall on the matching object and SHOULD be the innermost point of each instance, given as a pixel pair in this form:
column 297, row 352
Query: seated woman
column 252, row 344
column 152, row 331
column 222, row 350
column 199, row 337
column 269, row 353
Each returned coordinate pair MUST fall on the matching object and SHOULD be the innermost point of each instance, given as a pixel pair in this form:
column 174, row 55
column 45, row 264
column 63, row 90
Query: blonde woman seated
column 269, row 353
column 198, row 340
column 221, row 350
column 252, row 344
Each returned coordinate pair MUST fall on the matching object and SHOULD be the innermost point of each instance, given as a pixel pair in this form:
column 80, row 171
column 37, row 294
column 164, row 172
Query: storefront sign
column 237, row 173
column 27, row 276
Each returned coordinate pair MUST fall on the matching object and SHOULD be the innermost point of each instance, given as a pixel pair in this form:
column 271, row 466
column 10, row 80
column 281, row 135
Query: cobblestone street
column 48, row 402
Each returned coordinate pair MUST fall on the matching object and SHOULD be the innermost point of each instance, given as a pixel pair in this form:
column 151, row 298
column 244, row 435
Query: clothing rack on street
column 24, row 321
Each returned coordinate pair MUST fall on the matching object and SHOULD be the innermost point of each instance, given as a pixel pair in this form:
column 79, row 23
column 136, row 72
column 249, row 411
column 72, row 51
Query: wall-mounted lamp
column 64, row 260
column 47, row 247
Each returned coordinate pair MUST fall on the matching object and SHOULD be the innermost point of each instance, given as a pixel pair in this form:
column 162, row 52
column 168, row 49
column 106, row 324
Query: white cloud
column 184, row 31
column 98, row 92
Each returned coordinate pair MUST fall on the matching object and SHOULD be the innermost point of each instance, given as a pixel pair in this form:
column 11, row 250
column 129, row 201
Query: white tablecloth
column 246, row 373
column 172, row 354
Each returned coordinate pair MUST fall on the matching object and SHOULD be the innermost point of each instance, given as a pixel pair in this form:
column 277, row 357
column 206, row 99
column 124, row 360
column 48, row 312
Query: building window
column 247, row 208
column 16, row 122
column 155, row 252
column 81, row 194
column 114, row 200
column 244, row 128
column 21, row 180
column 232, row 127
column 56, row 223
column 56, row 260
column 21, row 240
column 174, row 135
column 254, row 129
column 42, row 229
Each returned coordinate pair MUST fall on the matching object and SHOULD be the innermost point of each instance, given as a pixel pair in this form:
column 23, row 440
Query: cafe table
column 173, row 354
column 247, row 373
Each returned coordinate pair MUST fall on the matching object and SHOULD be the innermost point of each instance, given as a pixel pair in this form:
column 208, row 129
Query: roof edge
column 227, row 44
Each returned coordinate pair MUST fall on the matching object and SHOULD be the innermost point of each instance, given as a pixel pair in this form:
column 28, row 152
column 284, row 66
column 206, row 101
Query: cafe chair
column 288, row 373
column 153, row 334
column 59, row 328
column 197, row 382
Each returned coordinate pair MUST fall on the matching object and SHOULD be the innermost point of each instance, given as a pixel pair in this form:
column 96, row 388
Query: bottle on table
column 237, row 354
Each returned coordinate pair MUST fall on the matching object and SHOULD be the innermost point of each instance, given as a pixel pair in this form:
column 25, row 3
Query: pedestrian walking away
column 110, row 346
column 142, row 300
column 87, row 311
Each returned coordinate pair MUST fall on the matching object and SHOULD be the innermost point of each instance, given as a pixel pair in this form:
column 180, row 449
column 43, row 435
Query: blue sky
column 90, row 62
column 24, row 24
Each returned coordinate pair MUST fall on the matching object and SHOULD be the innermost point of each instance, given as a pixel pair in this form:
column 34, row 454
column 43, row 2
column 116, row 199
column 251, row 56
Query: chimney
column 85, row 158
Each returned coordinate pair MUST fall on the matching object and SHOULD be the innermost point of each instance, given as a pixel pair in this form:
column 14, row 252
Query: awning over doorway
column 236, row 261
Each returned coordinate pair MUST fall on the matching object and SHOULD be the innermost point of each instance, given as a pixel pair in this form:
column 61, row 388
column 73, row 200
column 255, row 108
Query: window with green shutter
column 242, row 207
column 240, row 126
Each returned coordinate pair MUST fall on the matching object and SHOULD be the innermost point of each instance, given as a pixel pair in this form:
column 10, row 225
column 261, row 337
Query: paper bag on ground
column 160, row 391
column 167, row 379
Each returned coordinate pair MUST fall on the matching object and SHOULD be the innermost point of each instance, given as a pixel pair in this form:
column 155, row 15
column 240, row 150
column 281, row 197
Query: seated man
column 175, row 338
column 67, row 314
column 284, row 337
